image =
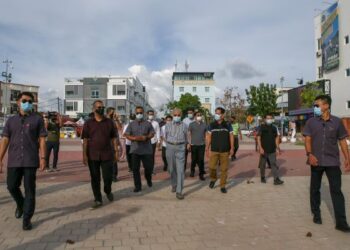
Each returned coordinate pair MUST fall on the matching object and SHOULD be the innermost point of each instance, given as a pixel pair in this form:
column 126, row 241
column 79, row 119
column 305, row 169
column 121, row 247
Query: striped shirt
column 176, row 133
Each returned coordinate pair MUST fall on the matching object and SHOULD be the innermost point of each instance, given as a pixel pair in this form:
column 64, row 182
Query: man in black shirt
column 268, row 141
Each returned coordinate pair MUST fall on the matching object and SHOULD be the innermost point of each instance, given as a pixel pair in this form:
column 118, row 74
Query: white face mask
column 151, row 117
column 199, row 118
column 269, row 121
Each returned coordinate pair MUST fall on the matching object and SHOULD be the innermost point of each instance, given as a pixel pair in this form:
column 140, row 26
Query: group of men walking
column 24, row 137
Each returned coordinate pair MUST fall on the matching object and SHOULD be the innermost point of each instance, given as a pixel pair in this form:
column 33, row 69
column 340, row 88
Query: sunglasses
column 139, row 113
column 316, row 106
column 25, row 101
column 101, row 107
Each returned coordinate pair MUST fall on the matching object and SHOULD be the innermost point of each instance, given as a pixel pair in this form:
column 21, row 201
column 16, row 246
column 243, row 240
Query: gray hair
column 177, row 110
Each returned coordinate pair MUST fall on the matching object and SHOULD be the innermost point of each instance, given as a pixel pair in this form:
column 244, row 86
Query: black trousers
column 236, row 144
column 198, row 158
column 55, row 147
column 164, row 157
column 136, row 164
column 128, row 156
column 334, row 179
column 107, row 175
column 115, row 169
column 14, row 180
column 154, row 147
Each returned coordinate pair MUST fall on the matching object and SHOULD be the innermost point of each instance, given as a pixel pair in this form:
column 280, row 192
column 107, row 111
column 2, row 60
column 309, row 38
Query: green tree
column 309, row 93
column 187, row 101
column 262, row 99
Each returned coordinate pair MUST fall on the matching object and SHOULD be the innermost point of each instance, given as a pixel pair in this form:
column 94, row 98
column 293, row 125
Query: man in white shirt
column 128, row 143
column 156, row 139
column 188, row 120
column 168, row 119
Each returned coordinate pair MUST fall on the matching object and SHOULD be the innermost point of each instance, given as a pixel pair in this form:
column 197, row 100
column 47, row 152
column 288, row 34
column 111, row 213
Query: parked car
column 68, row 132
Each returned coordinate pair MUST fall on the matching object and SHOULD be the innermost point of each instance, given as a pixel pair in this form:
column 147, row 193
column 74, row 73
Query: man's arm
column 85, row 156
column 116, row 144
column 208, row 143
column 42, row 151
column 345, row 150
column 261, row 150
column 3, row 149
column 312, row 160
column 277, row 140
column 232, row 143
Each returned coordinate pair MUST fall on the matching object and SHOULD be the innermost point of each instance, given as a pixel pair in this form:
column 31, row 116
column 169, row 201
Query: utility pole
column 282, row 114
column 58, row 105
column 8, row 79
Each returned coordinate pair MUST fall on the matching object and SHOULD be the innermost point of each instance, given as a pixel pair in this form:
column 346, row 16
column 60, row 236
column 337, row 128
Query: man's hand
column 347, row 165
column 116, row 156
column 207, row 151
column 261, row 151
column 313, row 160
column 278, row 151
column 232, row 151
column 85, row 160
column 189, row 147
column 42, row 164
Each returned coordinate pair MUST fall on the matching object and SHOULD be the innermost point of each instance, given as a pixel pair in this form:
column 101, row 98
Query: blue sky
column 243, row 42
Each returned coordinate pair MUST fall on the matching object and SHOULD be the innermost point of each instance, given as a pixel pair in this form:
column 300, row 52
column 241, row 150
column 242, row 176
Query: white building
column 332, row 31
column 122, row 93
column 201, row 84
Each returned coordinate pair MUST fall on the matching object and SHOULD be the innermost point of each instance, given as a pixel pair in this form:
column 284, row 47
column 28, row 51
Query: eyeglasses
column 25, row 101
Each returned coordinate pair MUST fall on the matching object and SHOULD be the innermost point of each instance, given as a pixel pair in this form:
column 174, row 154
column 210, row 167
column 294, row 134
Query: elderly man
column 175, row 136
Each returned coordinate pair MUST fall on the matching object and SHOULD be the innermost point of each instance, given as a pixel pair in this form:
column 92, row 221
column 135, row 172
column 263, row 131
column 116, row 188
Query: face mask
column 317, row 111
column 168, row 122
column 199, row 118
column 139, row 116
column 100, row 111
column 269, row 121
column 131, row 120
column 190, row 116
column 26, row 107
column 150, row 117
column 217, row 117
column 177, row 119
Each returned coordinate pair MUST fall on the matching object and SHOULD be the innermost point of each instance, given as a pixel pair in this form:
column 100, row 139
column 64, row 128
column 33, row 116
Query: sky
column 243, row 42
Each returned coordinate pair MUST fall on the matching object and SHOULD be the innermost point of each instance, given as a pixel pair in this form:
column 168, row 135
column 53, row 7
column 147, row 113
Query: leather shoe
column 278, row 181
column 27, row 225
column 149, row 183
column 19, row 212
column 212, row 184
column 344, row 228
column 110, row 197
column 223, row 190
column 180, row 196
column 201, row 177
column 317, row 219
column 136, row 190
column 263, row 179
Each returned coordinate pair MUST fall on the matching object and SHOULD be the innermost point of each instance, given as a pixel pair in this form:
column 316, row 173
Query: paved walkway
column 250, row 216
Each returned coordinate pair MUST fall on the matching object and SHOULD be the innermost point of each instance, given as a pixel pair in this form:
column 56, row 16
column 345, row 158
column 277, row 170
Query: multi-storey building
column 122, row 93
column 201, row 84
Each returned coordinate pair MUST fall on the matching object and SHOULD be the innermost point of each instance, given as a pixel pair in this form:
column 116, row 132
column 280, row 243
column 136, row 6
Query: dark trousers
column 236, row 145
column 107, row 175
column 164, row 157
column 270, row 158
column 334, row 180
column 197, row 153
column 55, row 147
column 136, row 164
column 186, row 155
column 128, row 156
column 154, row 147
column 14, row 179
column 115, row 170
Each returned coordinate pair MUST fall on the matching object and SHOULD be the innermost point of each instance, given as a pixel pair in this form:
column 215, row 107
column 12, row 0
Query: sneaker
column 173, row 189
column 212, row 184
column 55, row 170
column 343, row 228
column 180, row 196
column 97, row 204
column 110, row 197
column 278, row 181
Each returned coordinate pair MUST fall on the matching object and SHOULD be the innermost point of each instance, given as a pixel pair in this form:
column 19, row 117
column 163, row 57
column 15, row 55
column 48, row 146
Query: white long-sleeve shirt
column 156, row 128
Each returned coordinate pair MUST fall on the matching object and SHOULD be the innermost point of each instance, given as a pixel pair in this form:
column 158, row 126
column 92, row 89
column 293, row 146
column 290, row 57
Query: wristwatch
column 308, row 153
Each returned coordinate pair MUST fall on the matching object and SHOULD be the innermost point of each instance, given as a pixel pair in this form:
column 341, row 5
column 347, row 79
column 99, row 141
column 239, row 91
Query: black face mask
column 100, row 111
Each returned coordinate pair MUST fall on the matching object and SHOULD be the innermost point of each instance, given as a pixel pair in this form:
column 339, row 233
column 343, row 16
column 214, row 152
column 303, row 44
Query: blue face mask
column 217, row 117
column 317, row 111
column 177, row 119
column 26, row 107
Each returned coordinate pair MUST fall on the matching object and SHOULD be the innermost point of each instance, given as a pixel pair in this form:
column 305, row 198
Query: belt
column 175, row 143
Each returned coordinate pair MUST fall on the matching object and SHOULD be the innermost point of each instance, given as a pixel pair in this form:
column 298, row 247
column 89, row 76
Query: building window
column 207, row 89
column 114, row 90
column 348, row 105
column 95, row 94
column 320, row 72
column 347, row 39
column 69, row 92
column 194, row 89
column 119, row 90
column 181, row 89
column 207, row 100
column 319, row 44
column 347, row 72
column 72, row 106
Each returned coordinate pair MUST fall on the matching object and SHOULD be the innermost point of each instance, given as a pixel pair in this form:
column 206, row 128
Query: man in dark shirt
column 140, row 132
column 99, row 138
column 322, row 134
column 53, row 123
column 24, row 136
column 268, row 141
column 197, row 131
column 219, row 146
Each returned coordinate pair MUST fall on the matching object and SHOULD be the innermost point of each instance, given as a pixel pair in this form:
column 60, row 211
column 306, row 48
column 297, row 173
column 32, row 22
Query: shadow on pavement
column 98, row 223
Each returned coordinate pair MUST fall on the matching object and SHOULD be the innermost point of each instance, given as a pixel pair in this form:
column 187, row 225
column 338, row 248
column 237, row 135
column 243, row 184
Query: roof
column 20, row 84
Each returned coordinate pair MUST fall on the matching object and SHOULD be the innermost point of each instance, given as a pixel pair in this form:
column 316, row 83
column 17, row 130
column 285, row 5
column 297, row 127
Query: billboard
column 330, row 38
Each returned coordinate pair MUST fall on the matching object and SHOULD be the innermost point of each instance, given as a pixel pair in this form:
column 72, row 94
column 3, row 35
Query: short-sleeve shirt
column 99, row 135
column 140, row 128
column 24, row 133
column 220, row 136
column 324, row 139
column 198, row 131
column 268, row 134
column 235, row 128
column 53, row 132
